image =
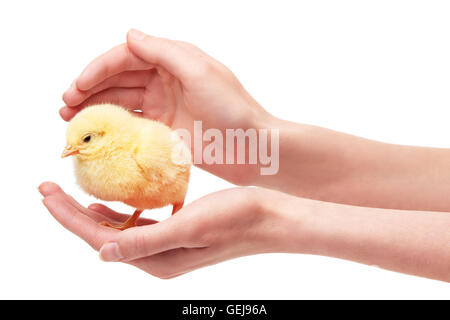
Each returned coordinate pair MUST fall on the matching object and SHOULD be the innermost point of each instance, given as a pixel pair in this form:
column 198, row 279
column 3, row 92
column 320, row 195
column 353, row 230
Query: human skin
column 246, row 221
column 176, row 83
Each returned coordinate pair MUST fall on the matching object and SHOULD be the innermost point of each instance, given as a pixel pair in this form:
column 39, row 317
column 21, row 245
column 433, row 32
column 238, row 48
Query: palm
column 192, row 238
column 163, row 101
column 178, row 104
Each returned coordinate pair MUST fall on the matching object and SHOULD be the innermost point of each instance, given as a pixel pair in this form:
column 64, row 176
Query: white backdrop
column 377, row 69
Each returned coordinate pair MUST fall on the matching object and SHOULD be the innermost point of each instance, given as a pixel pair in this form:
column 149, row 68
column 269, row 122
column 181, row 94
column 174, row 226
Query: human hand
column 221, row 226
column 245, row 221
column 173, row 82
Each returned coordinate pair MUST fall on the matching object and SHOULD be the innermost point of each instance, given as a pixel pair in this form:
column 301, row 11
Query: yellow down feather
column 123, row 157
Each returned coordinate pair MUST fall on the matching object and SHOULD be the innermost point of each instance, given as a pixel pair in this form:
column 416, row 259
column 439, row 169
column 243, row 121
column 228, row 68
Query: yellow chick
column 120, row 156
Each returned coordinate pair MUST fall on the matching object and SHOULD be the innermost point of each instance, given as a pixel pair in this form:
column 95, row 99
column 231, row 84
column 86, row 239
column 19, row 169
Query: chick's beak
column 69, row 150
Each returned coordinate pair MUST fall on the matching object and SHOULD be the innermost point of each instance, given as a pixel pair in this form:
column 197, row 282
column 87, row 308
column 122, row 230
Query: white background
column 377, row 69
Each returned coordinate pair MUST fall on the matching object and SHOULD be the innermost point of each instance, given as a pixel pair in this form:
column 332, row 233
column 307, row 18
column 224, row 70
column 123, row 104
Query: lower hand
column 245, row 221
column 220, row 226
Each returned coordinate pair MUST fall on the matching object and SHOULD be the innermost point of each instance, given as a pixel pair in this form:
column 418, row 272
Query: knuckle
column 167, row 44
column 247, row 199
column 185, row 44
column 252, row 200
column 205, row 238
column 198, row 235
column 191, row 236
column 139, row 243
column 105, row 68
column 193, row 49
column 203, row 69
column 97, row 241
column 132, row 245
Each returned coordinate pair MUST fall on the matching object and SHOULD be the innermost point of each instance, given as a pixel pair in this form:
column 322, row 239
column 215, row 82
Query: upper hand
column 170, row 81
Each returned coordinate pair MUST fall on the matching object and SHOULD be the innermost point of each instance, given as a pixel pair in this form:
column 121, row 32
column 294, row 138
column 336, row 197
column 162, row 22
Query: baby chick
column 120, row 156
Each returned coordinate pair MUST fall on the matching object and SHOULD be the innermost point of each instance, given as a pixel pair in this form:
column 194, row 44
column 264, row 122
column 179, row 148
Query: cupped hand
column 220, row 226
column 170, row 81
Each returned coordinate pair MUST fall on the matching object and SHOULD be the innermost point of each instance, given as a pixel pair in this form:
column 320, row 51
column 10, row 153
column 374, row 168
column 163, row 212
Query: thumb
column 140, row 242
column 163, row 52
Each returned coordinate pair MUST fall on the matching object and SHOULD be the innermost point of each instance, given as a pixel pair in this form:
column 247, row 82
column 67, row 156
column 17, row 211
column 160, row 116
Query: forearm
column 322, row 164
column 411, row 242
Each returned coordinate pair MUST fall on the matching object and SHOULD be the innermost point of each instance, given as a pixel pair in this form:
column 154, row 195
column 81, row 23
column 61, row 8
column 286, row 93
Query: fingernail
column 44, row 202
column 136, row 34
column 110, row 252
column 73, row 85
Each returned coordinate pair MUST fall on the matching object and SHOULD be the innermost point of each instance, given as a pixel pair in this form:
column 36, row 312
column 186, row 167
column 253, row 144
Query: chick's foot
column 131, row 222
column 177, row 206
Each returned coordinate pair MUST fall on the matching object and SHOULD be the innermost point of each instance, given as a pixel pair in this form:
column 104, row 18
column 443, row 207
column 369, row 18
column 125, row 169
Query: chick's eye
column 87, row 139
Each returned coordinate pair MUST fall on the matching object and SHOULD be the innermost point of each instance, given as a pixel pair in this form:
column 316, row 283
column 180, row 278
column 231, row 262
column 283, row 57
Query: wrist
column 288, row 223
column 265, row 150
column 293, row 155
column 302, row 225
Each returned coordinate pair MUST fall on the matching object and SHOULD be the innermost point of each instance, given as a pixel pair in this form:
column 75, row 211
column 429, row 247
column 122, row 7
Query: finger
column 50, row 188
column 113, row 215
column 130, row 98
column 78, row 223
column 127, row 79
column 113, row 62
column 173, row 263
column 163, row 52
column 68, row 113
column 145, row 241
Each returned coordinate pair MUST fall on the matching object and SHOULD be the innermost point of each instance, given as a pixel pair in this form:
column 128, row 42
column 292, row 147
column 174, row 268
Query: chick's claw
column 177, row 206
column 118, row 226
column 131, row 222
